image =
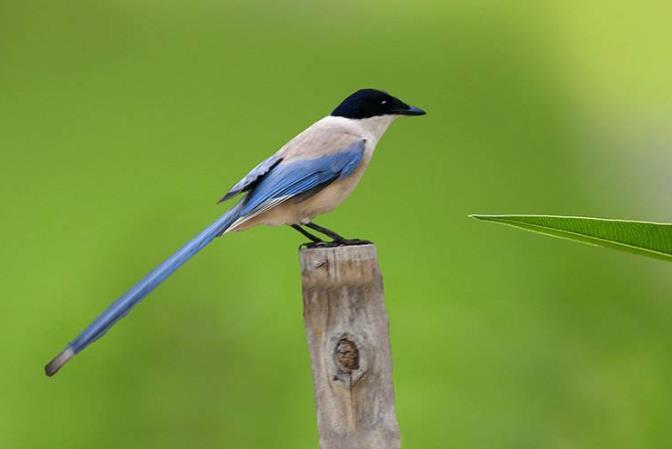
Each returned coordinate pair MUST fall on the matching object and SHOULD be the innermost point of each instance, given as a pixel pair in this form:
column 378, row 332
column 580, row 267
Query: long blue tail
column 119, row 308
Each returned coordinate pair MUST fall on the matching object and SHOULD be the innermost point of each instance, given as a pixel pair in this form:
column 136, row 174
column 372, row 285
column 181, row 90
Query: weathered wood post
column 347, row 329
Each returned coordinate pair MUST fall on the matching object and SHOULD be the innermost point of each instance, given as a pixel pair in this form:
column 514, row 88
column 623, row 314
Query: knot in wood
column 346, row 355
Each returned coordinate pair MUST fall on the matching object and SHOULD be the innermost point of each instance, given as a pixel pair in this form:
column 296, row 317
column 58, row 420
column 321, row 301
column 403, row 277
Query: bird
column 309, row 176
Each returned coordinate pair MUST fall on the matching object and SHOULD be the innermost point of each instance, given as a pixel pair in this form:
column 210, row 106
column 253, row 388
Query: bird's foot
column 349, row 242
column 310, row 245
column 335, row 243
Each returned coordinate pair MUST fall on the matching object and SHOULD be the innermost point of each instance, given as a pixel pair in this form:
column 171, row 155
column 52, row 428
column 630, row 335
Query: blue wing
column 253, row 177
column 289, row 179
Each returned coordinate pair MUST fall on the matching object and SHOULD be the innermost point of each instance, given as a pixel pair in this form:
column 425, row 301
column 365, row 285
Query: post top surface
column 359, row 250
column 340, row 265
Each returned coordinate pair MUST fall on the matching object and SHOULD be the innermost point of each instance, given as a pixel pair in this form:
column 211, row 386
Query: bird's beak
column 410, row 110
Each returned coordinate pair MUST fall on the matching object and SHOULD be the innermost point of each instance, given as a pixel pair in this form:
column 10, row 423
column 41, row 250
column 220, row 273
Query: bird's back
column 326, row 136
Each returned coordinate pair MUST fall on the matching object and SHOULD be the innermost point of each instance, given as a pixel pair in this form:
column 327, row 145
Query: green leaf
column 639, row 237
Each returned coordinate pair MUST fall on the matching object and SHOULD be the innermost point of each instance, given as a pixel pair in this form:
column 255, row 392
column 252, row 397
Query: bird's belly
column 327, row 199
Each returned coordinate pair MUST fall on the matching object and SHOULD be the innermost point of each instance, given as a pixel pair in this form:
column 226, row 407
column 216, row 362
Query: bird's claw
column 309, row 245
column 348, row 242
column 335, row 243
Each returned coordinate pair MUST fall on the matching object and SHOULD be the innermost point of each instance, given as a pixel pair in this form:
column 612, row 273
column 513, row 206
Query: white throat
column 375, row 127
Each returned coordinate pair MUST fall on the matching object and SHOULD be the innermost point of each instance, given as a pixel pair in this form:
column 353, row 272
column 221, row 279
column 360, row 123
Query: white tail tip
column 57, row 362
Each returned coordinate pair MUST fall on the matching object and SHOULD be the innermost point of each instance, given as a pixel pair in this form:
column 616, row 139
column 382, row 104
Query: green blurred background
column 123, row 121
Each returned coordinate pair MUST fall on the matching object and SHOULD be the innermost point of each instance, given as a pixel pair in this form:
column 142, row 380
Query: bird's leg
column 305, row 233
column 328, row 232
column 315, row 241
column 338, row 239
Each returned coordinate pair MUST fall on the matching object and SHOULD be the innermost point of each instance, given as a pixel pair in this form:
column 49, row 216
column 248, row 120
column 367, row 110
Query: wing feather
column 253, row 177
column 289, row 179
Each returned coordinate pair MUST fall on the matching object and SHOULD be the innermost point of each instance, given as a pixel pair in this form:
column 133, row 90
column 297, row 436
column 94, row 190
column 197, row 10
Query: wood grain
column 347, row 329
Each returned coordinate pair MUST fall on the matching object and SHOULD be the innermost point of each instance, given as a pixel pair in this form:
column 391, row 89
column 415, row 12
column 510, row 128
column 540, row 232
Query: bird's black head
column 367, row 103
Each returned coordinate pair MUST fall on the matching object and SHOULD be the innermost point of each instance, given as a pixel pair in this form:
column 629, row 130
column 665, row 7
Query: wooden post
column 347, row 329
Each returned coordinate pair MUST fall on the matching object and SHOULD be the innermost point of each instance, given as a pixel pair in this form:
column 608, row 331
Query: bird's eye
column 383, row 102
